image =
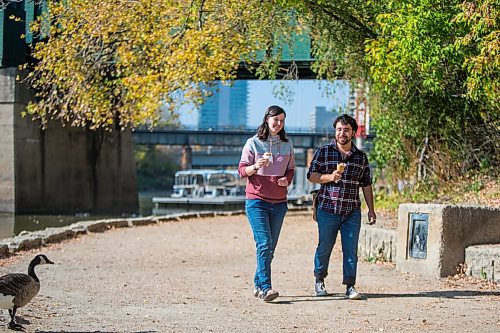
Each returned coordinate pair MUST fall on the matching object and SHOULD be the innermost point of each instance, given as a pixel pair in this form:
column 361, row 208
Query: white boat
column 202, row 183
column 216, row 190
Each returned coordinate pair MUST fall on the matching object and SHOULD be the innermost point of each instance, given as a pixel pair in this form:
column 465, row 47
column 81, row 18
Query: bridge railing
column 238, row 129
column 220, row 136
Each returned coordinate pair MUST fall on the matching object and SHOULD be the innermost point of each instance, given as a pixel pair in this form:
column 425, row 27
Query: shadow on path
column 91, row 332
column 450, row 294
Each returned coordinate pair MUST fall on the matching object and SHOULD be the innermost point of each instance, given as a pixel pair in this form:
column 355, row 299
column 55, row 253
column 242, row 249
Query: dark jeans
column 328, row 227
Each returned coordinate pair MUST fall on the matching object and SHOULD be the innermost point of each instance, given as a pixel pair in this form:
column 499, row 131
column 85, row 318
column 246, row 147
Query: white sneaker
column 268, row 295
column 351, row 293
column 319, row 289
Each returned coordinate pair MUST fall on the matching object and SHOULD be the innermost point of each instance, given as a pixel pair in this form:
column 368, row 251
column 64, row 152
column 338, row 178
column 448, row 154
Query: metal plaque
column 417, row 242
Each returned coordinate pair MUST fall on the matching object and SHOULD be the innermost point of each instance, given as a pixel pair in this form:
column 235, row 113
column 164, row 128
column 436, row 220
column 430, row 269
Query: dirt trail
column 196, row 276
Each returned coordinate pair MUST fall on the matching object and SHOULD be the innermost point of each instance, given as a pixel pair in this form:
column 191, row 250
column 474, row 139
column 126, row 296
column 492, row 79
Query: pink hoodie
column 264, row 184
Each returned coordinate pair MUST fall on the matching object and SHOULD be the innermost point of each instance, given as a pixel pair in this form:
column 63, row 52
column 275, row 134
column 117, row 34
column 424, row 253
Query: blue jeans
column 328, row 227
column 266, row 220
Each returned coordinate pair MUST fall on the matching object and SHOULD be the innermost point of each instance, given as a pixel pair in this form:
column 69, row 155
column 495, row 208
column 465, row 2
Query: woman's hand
column 261, row 162
column 283, row 182
column 254, row 168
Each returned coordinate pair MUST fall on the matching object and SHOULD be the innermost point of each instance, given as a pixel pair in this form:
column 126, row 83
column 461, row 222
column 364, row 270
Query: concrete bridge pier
column 186, row 158
column 60, row 170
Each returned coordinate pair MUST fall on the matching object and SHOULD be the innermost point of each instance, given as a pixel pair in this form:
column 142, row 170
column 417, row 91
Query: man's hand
column 372, row 217
column 336, row 176
column 323, row 178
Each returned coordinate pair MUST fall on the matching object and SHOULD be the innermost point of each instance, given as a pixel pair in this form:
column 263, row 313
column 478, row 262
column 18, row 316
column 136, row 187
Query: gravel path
column 196, row 276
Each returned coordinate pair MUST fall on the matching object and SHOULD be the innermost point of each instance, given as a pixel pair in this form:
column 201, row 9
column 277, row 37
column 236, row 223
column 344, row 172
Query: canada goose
column 17, row 290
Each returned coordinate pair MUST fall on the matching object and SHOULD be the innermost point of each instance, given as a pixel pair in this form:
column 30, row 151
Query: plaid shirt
column 341, row 197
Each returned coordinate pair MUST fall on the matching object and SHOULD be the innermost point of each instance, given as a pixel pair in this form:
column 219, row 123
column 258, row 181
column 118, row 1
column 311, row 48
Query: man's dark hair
column 346, row 120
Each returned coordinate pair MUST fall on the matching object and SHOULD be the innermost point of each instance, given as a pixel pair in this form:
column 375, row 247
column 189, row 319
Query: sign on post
column 419, row 229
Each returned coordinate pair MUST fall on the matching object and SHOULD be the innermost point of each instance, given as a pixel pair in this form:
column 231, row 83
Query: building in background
column 320, row 119
column 359, row 109
column 351, row 102
column 227, row 107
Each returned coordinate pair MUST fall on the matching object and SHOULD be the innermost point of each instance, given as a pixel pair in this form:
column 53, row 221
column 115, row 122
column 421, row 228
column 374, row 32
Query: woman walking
column 268, row 162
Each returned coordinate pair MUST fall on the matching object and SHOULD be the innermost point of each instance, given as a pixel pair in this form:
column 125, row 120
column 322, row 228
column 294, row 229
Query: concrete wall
column 465, row 226
column 61, row 170
column 450, row 230
column 7, row 193
column 7, row 104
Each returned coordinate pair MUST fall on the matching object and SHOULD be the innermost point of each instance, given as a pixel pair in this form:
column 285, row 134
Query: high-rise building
column 321, row 119
column 227, row 107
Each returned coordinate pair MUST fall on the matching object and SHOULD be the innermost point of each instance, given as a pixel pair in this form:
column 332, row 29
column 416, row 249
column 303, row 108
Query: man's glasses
column 343, row 130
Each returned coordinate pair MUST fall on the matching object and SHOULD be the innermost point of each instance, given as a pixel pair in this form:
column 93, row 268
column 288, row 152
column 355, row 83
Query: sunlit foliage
column 481, row 45
column 114, row 63
column 430, row 66
column 437, row 117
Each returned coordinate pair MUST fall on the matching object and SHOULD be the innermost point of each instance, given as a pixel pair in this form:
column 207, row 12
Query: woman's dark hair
column 263, row 130
column 346, row 120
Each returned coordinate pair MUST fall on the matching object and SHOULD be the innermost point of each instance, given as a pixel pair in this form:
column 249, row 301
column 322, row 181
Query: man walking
column 341, row 169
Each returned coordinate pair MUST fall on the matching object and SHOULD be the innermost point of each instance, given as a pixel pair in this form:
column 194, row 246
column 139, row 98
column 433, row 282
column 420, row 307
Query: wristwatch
column 255, row 169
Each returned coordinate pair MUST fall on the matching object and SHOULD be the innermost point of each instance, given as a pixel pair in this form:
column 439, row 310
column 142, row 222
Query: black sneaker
column 257, row 291
column 351, row 293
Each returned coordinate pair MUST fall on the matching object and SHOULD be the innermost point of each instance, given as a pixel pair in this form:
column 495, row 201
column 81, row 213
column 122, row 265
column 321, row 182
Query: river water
column 11, row 225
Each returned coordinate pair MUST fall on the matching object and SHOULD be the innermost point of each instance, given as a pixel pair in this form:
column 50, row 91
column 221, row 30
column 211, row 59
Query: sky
column 298, row 98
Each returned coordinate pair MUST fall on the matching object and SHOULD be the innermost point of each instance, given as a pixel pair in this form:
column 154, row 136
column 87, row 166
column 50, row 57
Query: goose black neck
column 31, row 271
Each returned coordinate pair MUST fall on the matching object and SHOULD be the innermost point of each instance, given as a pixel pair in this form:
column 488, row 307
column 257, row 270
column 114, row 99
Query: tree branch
column 357, row 26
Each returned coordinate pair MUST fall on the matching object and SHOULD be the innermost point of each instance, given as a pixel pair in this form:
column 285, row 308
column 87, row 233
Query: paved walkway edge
column 35, row 239
column 375, row 242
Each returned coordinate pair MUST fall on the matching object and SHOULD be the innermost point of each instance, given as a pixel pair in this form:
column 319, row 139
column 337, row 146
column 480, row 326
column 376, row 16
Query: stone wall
column 483, row 261
column 377, row 243
column 60, row 170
